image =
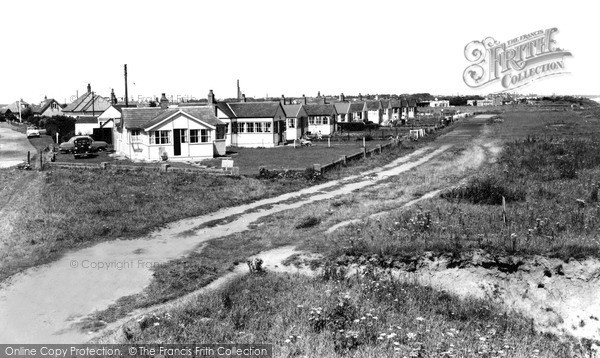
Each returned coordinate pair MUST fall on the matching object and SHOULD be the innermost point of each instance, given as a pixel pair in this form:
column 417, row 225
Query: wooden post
column 41, row 160
column 57, row 138
column 28, row 158
column 294, row 143
column 344, row 160
column 328, row 142
column 348, row 136
column 364, row 142
column 380, row 149
column 504, row 209
column 364, row 152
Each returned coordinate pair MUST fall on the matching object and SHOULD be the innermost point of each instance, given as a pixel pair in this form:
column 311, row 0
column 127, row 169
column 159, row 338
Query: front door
column 177, row 142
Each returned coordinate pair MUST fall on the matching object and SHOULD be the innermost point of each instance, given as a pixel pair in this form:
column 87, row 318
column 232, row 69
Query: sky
column 185, row 48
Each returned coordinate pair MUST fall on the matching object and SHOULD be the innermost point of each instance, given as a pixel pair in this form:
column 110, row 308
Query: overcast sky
column 185, row 48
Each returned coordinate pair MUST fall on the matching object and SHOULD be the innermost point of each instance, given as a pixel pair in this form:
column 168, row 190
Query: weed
column 307, row 222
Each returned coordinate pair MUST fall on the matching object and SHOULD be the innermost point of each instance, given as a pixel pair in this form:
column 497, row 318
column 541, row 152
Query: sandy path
column 44, row 304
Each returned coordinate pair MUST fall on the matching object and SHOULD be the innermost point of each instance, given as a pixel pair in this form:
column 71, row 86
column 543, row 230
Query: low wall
column 164, row 168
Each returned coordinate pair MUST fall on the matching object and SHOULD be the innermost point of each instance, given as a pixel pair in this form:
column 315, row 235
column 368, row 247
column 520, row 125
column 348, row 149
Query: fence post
column 294, row 143
column 28, row 158
column 328, row 142
column 344, row 160
column 380, row 149
column 41, row 160
column 364, row 152
column 317, row 168
column 364, row 142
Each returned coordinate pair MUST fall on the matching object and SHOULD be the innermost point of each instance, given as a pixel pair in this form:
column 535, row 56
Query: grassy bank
column 546, row 173
column 70, row 209
column 359, row 317
column 62, row 210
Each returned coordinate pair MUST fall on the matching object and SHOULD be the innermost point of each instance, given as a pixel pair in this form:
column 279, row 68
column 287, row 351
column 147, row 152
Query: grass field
column 68, row 209
column 547, row 173
column 249, row 160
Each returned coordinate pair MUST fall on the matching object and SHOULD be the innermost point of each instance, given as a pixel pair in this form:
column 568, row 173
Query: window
column 325, row 120
column 135, row 136
column 183, row 136
column 291, row 122
column 250, row 127
column 259, row 127
column 204, row 135
column 267, row 127
column 193, row 136
column 221, row 130
column 311, row 120
column 160, row 137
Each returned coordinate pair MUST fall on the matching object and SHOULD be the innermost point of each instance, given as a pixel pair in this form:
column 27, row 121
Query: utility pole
column 93, row 111
column 20, row 118
column 126, row 93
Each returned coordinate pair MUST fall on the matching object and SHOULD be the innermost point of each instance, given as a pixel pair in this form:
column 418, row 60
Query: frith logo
column 514, row 63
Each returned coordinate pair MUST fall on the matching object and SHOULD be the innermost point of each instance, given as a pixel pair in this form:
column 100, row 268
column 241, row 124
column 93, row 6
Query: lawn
column 249, row 160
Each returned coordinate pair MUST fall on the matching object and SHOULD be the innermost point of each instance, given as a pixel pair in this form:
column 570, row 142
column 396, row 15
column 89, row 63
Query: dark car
column 82, row 147
column 96, row 145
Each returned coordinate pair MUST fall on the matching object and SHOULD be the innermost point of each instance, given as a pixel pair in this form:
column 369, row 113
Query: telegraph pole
column 126, row 94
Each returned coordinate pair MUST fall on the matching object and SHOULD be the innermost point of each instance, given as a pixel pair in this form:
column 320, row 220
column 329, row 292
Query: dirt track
column 13, row 147
column 42, row 304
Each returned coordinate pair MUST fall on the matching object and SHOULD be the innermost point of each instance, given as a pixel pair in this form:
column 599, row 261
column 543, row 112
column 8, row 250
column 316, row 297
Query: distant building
column 89, row 104
column 48, row 107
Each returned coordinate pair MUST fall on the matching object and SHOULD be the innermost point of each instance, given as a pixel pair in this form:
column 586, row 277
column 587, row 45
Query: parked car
column 95, row 145
column 82, row 147
column 33, row 132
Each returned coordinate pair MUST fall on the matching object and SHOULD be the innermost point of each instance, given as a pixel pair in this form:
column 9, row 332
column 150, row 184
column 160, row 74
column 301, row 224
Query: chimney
column 360, row 97
column 45, row 98
column 377, row 97
column 89, row 88
column 319, row 94
column 164, row 102
column 211, row 97
column 342, row 98
column 113, row 98
column 324, row 99
column 283, row 99
column 243, row 97
column 303, row 99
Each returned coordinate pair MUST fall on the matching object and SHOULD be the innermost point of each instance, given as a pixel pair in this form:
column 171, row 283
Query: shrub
column 307, row 222
column 488, row 191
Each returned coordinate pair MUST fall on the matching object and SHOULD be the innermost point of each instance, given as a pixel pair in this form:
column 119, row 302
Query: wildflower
column 411, row 335
column 156, row 324
column 287, row 341
column 420, row 319
column 482, row 339
column 396, row 343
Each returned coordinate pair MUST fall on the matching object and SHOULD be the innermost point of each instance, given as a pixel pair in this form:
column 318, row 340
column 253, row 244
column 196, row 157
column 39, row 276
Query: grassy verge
column 304, row 316
column 67, row 209
column 359, row 317
column 71, row 209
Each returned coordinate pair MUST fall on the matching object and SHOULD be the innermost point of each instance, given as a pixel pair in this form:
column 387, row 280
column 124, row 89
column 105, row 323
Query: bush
column 307, row 222
column 487, row 191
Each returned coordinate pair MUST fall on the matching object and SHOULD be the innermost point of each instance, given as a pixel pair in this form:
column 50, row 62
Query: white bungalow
column 251, row 124
column 321, row 118
column 178, row 134
column 296, row 121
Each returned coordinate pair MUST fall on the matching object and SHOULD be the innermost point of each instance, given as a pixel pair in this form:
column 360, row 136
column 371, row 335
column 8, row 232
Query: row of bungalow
column 196, row 131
